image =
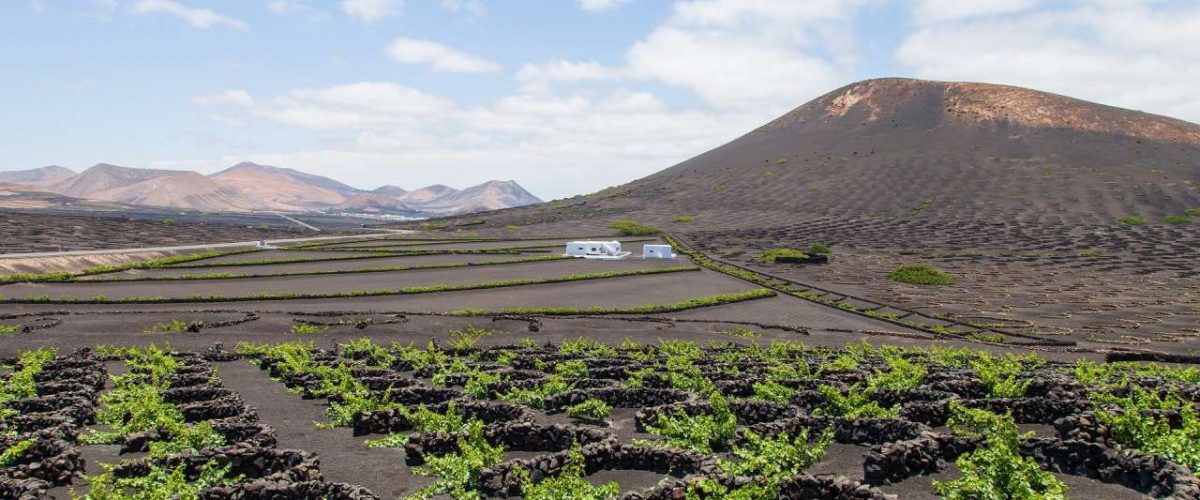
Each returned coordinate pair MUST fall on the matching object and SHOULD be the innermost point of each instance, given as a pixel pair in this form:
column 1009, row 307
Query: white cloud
column 600, row 5
column 37, row 5
column 353, row 106
column 438, row 56
column 554, row 144
column 735, row 54
column 371, row 11
column 731, row 70
column 1127, row 54
column 200, row 18
column 576, row 126
column 754, row 54
column 539, row 77
column 932, row 11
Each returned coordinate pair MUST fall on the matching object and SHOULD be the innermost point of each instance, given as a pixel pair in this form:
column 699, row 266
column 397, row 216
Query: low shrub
column 819, row 249
column 855, row 403
column 572, row 483
column 1137, row 426
column 389, row 441
column 535, row 397
column 711, row 488
column 160, row 482
column 16, row 451
column 1000, row 373
column 591, row 409
column 771, row 254
column 1178, row 220
column 994, row 338
column 700, row 432
column 176, row 326
column 1132, row 220
column 779, row 457
column 587, row 347
column 572, row 369
column 1192, row 212
column 770, row 390
column 738, row 331
column 458, row 472
column 920, row 275
column 684, row 219
column 468, row 337
column 57, row 276
column 307, row 329
column 996, row 470
column 633, row 228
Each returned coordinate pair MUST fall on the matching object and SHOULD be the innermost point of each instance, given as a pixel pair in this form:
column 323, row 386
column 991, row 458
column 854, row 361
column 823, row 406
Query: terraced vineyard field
column 663, row 419
column 488, row 367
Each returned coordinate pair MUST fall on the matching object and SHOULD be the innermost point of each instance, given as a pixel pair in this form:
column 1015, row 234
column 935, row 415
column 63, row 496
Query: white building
column 658, row 252
column 596, row 250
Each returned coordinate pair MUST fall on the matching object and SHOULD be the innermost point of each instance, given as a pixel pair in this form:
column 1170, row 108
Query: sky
column 564, row 96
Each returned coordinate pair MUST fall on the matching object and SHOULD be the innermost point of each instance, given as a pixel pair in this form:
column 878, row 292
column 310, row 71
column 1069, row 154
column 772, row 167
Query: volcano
column 892, row 146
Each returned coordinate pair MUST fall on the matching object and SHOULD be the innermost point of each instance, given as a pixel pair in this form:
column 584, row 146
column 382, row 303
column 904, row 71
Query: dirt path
column 343, row 458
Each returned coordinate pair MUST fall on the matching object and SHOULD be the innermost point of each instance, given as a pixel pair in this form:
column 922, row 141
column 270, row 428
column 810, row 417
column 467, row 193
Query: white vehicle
column 658, row 252
column 608, row 250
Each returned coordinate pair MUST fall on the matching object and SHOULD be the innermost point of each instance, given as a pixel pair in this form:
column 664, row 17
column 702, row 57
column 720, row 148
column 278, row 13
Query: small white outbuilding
column 658, row 252
column 610, row 250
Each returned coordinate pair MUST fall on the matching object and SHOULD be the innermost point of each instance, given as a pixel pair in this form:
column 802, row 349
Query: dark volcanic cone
column 893, row 146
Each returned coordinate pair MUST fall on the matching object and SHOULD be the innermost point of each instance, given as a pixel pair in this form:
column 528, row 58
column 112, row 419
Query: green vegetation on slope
column 771, row 254
column 920, row 274
column 633, row 228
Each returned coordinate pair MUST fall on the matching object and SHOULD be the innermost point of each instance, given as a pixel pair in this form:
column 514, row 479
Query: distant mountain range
column 249, row 187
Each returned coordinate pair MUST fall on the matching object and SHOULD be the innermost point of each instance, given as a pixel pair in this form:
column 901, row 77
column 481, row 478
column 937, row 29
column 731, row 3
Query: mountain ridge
column 49, row 174
column 246, row 187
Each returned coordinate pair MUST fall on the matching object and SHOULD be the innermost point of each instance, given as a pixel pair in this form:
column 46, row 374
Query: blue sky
column 564, row 96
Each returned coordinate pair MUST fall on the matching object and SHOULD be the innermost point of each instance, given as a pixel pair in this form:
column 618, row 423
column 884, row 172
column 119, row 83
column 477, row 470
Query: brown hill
column 104, row 176
column 373, row 203
column 180, row 190
column 37, row 176
column 164, row 188
column 389, row 190
column 33, row 197
column 427, row 194
column 491, row 195
column 283, row 189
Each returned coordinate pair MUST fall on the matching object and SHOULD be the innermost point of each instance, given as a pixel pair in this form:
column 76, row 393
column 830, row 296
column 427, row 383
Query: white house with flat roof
column 610, row 250
column 658, row 252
